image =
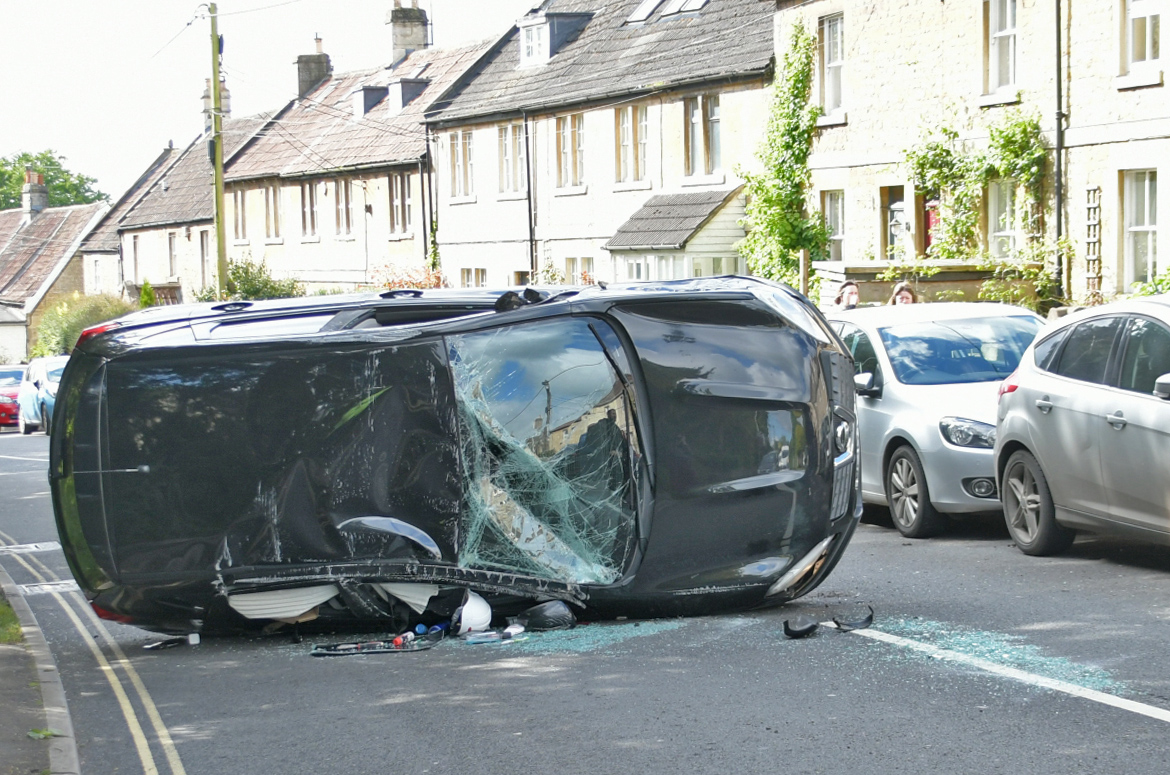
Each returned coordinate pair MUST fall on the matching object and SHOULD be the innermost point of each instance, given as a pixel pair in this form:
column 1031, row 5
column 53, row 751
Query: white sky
column 108, row 84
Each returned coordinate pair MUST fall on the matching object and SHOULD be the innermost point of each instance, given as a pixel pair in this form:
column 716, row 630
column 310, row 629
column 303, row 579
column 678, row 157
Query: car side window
column 1147, row 355
column 1047, row 349
column 861, row 348
column 1090, row 344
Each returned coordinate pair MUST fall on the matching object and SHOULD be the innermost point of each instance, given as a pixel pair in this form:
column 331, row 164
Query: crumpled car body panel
column 641, row 451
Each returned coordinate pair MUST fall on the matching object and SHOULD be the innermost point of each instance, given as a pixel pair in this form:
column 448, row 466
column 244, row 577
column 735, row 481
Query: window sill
column 400, row 236
column 462, row 200
column 242, row 242
column 344, row 238
column 511, row 196
column 632, row 185
column 571, row 191
column 274, row 241
column 310, row 238
column 998, row 99
column 714, row 179
column 1139, row 80
column 840, row 118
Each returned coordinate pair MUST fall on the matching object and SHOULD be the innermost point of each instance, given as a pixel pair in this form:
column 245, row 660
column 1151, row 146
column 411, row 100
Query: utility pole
column 216, row 141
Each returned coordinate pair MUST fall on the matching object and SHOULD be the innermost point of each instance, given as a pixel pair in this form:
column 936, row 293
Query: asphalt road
column 981, row 660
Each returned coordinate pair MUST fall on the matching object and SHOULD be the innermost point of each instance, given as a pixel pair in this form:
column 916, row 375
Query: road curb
column 63, row 759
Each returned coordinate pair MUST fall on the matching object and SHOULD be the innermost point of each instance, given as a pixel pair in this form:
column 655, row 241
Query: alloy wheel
column 904, row 503
column 1021, row 502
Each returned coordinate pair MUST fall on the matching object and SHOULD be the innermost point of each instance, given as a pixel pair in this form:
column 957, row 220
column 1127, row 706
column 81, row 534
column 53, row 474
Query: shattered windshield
column 549, row 452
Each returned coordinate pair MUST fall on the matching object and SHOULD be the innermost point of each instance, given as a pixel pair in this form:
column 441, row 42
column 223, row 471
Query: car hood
column 969, row 400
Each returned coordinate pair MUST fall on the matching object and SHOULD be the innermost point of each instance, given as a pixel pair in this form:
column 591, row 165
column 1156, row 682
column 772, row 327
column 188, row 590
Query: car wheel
column 45, row 420
column 1028, row 508
column 910, row 507
column 25, row 428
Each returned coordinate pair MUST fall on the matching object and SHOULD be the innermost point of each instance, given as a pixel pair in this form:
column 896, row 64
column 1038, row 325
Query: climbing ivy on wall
column 777, row 221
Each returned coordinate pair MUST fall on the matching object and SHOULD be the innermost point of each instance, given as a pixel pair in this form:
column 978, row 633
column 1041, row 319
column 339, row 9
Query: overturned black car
column 643, row 450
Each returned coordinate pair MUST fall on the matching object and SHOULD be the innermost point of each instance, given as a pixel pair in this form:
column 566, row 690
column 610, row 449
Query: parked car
column 927, row 376
column 10, row 376
column 640, row 450
column 1084, row 427
column 38, row 393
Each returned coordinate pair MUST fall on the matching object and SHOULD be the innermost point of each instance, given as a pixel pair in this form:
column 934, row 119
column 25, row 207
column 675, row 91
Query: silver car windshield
column 953, row 351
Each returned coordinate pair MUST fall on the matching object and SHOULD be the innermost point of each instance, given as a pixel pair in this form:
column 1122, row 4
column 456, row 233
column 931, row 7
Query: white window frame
column 1003, row 218
column 1141, row 224
column 204, row 255
column 240, row 215
column 534, row 44
column 400, row 202
column 1143, row 34
column 511, row 158
column 570, row 150
column 1001, row 45
column 630, row 137
column 832, row 61
column 97, row 274
column 272, row 211
column 309, row 209
column 702, row 135
column 462, row 169
column 343, row 206
column 172, row 253
column 571, row 276
column 833, row 209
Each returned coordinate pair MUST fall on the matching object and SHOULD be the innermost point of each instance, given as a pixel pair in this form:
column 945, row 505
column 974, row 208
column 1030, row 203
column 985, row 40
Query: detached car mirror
column 1162, row 387
column 864, row 383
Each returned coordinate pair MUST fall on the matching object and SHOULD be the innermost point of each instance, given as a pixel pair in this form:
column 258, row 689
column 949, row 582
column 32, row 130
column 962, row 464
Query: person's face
column 850, row 297
column 904, row 297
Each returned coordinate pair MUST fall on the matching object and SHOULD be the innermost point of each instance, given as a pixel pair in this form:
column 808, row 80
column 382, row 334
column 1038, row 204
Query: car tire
column 25, row 428
column 908, row 496
column 45, row 420
column 1028, row 509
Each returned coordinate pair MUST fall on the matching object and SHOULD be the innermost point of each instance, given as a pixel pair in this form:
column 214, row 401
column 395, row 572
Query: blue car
column 38, row 393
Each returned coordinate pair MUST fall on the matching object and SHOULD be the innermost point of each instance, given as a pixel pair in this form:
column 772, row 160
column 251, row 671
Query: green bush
column 147, row 297
column 63, row 324
column 249, row 279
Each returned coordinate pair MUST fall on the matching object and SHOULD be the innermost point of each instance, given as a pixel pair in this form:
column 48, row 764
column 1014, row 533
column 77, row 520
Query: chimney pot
column 34, row 195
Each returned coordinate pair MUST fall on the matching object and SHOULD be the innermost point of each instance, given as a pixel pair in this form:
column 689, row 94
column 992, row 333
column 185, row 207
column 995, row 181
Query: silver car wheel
column 909, row 497
column 1028, row 508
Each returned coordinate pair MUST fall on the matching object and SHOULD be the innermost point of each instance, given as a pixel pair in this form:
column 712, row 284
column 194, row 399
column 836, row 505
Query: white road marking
column 44, row 546
column 1018, row 675
column 49, row 586
column 32, row 459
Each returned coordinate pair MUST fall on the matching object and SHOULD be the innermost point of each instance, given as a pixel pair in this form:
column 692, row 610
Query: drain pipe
column 531, row 219
column 1059, row 199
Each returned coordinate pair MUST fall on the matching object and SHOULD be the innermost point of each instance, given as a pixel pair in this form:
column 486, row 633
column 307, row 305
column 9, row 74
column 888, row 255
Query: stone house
column 590, row 119
column 337, row 190
column 39, row 262
column 887, row 74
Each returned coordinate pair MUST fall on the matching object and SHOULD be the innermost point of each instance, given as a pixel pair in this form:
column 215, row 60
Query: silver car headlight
column 7, row 400
column 967, row 433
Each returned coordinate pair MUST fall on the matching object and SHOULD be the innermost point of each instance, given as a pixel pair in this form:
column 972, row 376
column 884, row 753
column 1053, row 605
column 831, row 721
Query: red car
column 10, row 376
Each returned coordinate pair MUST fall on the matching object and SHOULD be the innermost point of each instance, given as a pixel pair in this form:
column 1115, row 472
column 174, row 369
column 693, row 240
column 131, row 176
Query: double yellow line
column 108, row 665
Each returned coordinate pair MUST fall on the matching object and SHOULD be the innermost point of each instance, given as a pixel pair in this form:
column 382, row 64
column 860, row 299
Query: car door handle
column 1116, row 420
column 1044, row 405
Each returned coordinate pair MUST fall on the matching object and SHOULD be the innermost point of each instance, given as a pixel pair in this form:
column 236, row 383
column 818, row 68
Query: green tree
column 249, row 279
column 146, row 296
column 778, row 223
column 63, row 324
column 65, row 187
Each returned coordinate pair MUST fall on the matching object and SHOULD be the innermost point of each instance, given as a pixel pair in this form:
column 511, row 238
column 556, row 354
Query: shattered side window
column 549, row 452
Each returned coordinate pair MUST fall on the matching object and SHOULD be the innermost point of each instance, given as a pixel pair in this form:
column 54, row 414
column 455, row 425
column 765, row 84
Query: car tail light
column 93, row 331
column 110, row 616
column 1009, row 385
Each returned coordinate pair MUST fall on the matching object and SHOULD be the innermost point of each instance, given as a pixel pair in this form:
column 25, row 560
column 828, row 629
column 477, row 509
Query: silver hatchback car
column 1084, row 428
column 927, row 376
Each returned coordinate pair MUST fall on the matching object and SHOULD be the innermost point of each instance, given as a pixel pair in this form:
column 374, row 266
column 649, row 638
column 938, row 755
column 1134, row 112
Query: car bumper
column 955, row 473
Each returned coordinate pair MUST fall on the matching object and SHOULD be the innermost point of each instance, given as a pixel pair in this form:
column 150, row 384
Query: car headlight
column 967, row 433
column 7, row 400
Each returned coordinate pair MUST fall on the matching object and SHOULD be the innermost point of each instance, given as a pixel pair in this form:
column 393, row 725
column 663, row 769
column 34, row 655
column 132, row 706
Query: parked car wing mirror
column 1162, row 386
column 864, row 383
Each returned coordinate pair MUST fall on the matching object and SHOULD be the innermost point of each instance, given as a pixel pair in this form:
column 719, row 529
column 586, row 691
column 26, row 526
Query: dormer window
column 534, row 44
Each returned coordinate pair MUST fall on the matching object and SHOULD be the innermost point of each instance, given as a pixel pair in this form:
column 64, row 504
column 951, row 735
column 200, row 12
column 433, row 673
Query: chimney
column 34, row 196
column 225, row 103
column 408, row 30
column 312, row 69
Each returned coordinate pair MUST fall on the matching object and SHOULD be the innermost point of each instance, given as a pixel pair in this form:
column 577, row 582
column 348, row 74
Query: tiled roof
column 320, row 133
column 611, row 58
column 668, row 221
column 104, row 239
column 185, row 192
column 29, row 253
